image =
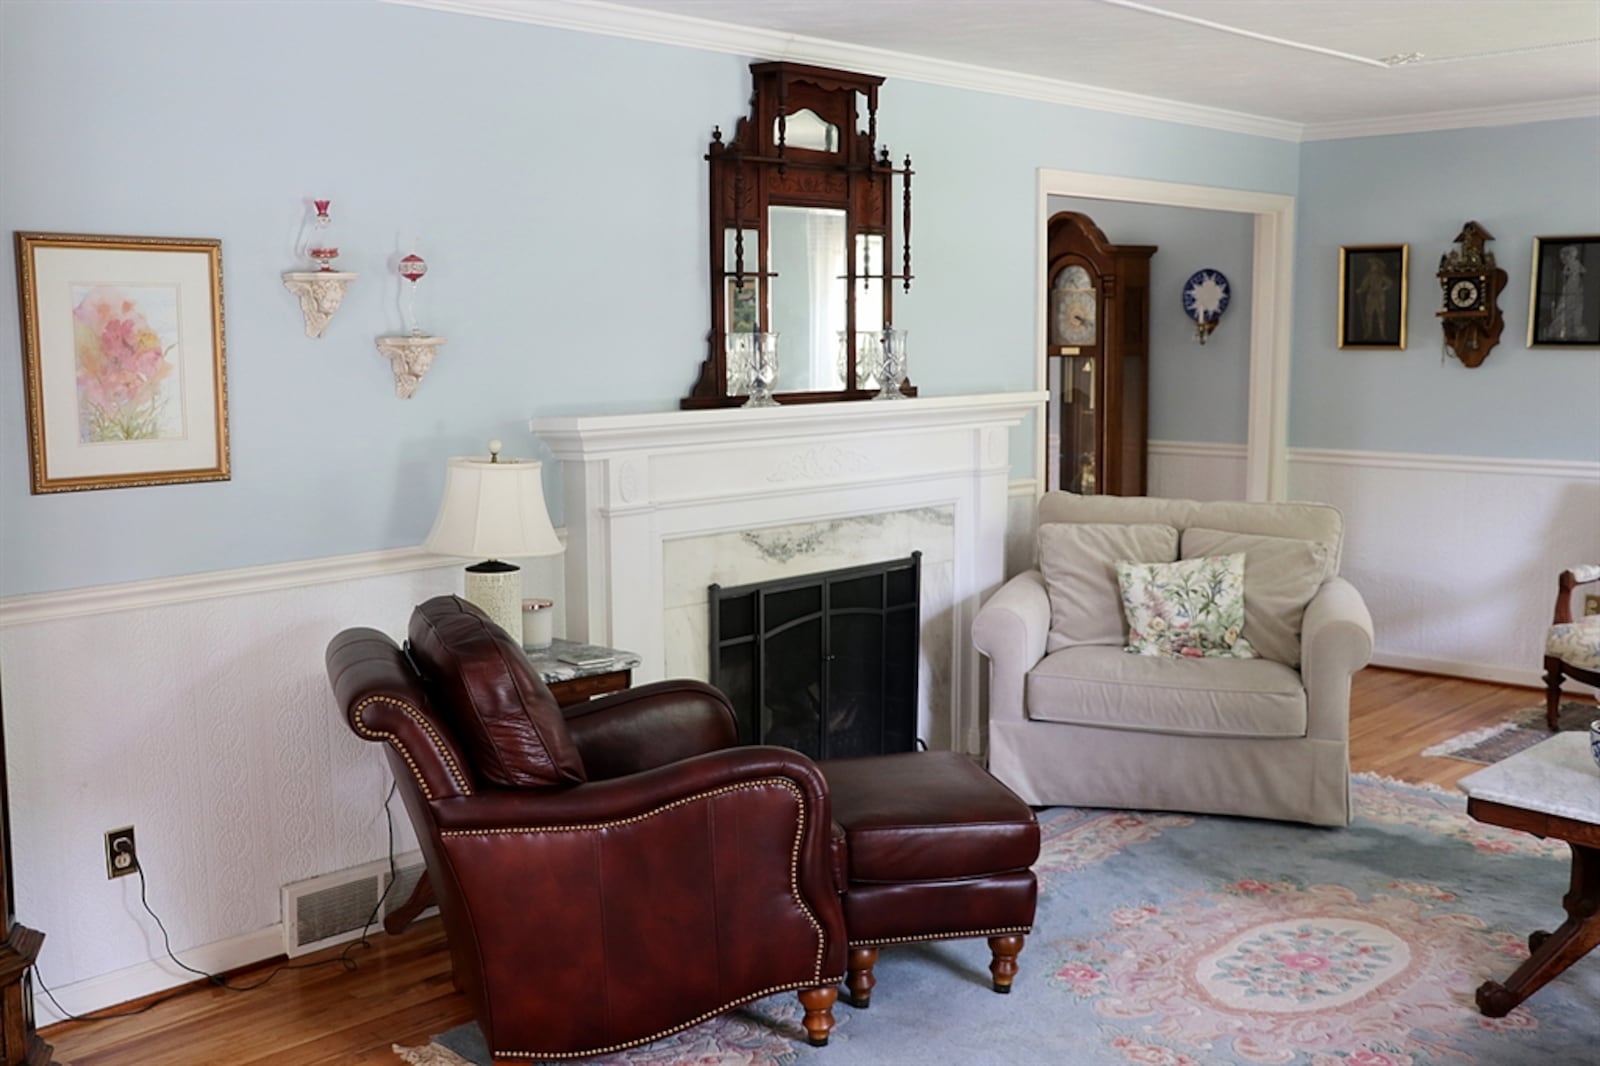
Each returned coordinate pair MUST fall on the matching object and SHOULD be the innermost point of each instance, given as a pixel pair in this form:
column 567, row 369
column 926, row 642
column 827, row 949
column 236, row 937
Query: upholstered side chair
column 1571, row 648
column 609, row 875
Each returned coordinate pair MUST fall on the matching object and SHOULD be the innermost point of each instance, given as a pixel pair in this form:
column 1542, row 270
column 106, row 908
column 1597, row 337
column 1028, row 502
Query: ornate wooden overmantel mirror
column 803, row 245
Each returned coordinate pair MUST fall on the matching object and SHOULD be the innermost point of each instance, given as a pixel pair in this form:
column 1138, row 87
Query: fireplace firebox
column 823, row 663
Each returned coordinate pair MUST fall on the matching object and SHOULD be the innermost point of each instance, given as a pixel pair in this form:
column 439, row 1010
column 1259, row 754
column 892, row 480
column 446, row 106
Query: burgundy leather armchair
column 606, row 876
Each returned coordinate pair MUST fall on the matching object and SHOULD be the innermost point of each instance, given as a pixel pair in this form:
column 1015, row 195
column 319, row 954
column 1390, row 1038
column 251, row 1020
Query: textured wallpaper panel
column 211, row 728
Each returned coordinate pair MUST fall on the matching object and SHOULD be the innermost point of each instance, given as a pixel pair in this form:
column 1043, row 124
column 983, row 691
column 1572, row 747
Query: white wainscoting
column 1196, row 470
column 1457, row 556
column 198, row 710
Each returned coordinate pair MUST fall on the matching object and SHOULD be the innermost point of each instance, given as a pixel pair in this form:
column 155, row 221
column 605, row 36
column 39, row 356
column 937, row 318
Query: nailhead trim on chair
column 794, row 890
column 819, row 983
column 416, row 716
column 1024, row 930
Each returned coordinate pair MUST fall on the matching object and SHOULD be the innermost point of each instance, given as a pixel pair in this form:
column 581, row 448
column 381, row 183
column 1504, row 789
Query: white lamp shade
column 493, row 511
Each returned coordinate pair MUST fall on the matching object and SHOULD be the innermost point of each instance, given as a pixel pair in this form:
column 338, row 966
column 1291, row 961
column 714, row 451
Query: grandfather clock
column 19, row 1044
column 1097, row 351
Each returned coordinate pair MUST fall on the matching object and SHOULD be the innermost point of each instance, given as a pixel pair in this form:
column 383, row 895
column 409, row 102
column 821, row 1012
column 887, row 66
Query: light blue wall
column 557, row 185
column 1538, row 179
column 1197, row 392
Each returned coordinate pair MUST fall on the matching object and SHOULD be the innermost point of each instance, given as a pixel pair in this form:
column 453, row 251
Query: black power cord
column 217, row 980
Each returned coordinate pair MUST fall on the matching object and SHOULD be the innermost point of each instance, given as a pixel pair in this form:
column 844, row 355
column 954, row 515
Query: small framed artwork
column 1564, row 298
column 744, row 309
column 122, row 359
column 1372, row 295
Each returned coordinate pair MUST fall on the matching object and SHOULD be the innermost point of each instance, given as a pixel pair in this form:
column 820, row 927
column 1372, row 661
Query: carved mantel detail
column 823, row 462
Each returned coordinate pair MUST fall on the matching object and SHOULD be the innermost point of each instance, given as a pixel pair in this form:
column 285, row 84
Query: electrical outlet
column 1591, row 604
column 121, row 858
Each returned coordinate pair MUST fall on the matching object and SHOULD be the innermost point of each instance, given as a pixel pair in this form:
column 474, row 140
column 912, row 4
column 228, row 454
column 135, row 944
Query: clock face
column 1464, row 294
column 1073, row 305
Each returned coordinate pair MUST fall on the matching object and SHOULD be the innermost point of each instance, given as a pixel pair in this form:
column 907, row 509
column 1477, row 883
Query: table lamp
column 494, row 509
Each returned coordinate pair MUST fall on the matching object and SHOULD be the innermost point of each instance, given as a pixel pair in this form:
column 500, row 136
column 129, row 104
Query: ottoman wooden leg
column 818, row 1003
column 860, row 982
column 1004, row 964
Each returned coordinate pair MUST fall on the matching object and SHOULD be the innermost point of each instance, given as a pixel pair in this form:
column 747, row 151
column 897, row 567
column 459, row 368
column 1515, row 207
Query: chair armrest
column 1010, row 631
column 1335, row 641
column 649, row 726
column 384, row 701
column 1569, row 580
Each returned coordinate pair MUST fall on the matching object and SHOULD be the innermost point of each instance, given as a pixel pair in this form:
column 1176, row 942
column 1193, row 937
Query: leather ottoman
column 933, row 848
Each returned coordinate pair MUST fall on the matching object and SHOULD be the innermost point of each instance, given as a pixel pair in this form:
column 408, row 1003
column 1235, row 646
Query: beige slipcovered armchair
column 1076, row 720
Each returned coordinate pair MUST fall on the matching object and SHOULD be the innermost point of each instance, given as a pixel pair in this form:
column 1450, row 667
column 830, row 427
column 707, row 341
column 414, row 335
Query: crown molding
column 616, row 20
column 1507, row 115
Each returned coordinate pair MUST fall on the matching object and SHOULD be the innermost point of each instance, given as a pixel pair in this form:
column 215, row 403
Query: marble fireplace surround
column 634, row 484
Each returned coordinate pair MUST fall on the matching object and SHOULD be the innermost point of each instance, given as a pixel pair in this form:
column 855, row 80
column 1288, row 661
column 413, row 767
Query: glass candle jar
column 538, row 623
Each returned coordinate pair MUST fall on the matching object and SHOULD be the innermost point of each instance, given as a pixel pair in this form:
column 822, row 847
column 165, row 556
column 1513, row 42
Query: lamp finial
column 494, row 451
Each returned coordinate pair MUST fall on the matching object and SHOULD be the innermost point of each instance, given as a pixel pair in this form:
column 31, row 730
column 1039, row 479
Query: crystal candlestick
column 763, row 369
column 894, row 365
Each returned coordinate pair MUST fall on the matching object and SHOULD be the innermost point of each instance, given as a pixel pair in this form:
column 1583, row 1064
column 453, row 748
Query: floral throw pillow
column 1192, row 608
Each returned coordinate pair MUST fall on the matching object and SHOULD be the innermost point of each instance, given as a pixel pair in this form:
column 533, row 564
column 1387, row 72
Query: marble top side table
column 1550, row 790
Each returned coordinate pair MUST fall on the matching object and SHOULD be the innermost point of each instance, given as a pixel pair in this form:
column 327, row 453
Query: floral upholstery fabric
column 1585, row 573
column 1192, row 608
column 1577, row 643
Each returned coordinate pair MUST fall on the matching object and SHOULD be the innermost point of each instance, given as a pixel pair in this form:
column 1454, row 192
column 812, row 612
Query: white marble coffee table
column 1550, row 790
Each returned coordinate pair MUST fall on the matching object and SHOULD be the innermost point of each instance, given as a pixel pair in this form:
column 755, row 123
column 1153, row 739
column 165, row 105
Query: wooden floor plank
column 400, row 991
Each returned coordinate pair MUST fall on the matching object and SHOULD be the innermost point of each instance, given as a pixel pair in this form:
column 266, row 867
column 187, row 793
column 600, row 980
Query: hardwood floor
column 401, row 991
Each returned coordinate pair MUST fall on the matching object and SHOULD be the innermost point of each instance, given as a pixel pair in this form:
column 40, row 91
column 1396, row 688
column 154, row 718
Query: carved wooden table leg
column 818, row 1003
column 403, row 915
column 861, row 982
column 1554, row 952
column 1004, row 964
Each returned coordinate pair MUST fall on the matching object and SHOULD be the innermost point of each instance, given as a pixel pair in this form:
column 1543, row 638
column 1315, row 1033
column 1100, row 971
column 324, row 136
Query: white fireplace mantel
column 633, row 482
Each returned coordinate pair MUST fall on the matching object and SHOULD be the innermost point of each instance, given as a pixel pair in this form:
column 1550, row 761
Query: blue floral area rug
column 1183, row 940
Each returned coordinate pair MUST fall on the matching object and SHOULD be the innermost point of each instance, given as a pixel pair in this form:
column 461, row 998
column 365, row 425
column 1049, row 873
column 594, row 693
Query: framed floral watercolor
column 123, row 360
column 1564, row 298
column 744, row 308
column 1372, row 295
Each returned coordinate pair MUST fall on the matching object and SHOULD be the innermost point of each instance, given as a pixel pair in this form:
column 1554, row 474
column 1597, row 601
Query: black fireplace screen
column 825, row 663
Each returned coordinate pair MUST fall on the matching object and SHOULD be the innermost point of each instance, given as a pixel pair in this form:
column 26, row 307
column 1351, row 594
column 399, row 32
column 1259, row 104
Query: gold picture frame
column 1374, row 295
column 123, row 360
column 1564, row 293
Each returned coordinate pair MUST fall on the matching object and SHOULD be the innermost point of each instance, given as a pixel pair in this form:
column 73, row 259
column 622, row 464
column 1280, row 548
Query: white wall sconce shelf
column 320, row 292
column 411, row 357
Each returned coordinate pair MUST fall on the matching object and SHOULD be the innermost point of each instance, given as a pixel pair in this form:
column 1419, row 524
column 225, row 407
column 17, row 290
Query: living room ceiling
column 1313, row 63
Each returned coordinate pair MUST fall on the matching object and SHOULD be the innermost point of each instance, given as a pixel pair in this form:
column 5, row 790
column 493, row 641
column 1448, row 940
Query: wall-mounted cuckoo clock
column 1471, row 286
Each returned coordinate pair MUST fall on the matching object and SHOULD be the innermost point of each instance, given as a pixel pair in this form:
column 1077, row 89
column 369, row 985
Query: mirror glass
column 805, row 247
column 806, row 129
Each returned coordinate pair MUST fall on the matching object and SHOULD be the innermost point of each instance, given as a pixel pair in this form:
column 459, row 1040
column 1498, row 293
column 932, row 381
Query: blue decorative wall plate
column 1205, row 296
